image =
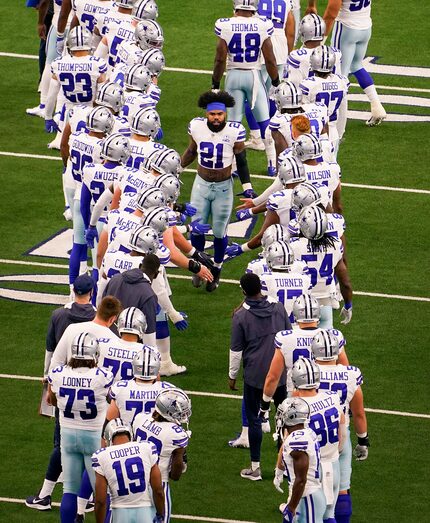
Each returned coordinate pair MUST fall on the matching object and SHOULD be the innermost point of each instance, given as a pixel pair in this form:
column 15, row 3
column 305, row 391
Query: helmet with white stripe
column 312, row 27
column 100, row 120
column 116, row 148
column 117, row 426
column 145, row 10
column 170, row 186
column 173, row 405
column 146, row 122
column 154, row 60
column 307, row 147
column 287, row 96
column 279, row 255
column 125, row 4
column 166, row 161
column 323, row 59
column 137, row 78
column 110, row 94
column 149, row 35
column 306, row 309
column 305, row 374
column 79, row 39
column 325, row 346
column 291, row 170
column 146, row 364
column 292, row 411
column 144, row 240
column 274, row 233
column 157, row 218
column 150, row 197
column 85, row 346
column 312, row 222
column 245, row 5
column 303, row 195
column 132, row 321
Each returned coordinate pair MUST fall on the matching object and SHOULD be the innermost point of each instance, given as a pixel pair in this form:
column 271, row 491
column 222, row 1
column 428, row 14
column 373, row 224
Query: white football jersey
column 78, row 77
column 111, row 19
column 342, row 379
column 215, row 150
column 81, row 395
column 321, row 264
column 166, row 436
column 116, row 261
column 120, row 225
column 303, row 441
column 141, row 150
column 116, row 33
column 298, row 64
column 355, row 14
column 335, row 225
column 129, row 53
column 244, row 38
column 330, row 91
column 258, row 266
column 89, row 11
column 128, row 201
column 116, row 355
column 135, row 179
column 280, row 202
column 134, row 101
column 132, row 397
column 97, row 177
column 277, row 11
column 324, row 420
column 84, row 149
column 78, row 117
column 325, row 173
column 127, row 469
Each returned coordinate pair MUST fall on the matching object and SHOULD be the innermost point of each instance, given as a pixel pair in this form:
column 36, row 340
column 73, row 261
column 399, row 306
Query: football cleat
column 68, row 216
column 239, row 442
column 38, row 503
column 56, row 142
column 255, row 143
column 378, row 114
column 171, row 369
column 39, row 110
column 253, row 475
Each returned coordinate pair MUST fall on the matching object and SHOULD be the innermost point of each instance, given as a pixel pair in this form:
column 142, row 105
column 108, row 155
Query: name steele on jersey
column 117, row 352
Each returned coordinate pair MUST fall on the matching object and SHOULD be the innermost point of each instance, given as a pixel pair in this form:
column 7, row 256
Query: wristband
column 265, row 405
column 60, row 36
column 194, row 266
column 363, row 441
column 348, row 305
column 276, row 82
column 244, row 246
column 247, row 186
column 266, row 398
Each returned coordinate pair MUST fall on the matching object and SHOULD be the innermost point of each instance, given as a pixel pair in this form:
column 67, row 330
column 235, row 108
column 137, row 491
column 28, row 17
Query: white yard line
column 235, row 397
column 257, row 176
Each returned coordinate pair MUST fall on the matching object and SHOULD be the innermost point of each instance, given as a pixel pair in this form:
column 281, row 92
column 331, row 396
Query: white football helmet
column 79, row 39
column 116, row 148
column 154, row 60
column 303, row 195
column 85, row 346
column 117, row 426
column 150, row 197
column 132, row 321
column 305, row 374
column 173, row 405
column 125, row 4
column 110, row 94
column 274, row 233
column 245, row 5
column 100, row 120
column 144, row 240
column 322, row 59
column 167, row 161
column 146, row 122
column 292, row 411
column 291, row 170
column 145, row 10
column 146, row 364
column 170, row 186
column 149, row 35
column 312, row 27
column 306, row 309
column 312, row 222
column 325, row 346
column 279, row 255
column 307, row 147
column 137, row 78
column 157, row 218
column 287, row 96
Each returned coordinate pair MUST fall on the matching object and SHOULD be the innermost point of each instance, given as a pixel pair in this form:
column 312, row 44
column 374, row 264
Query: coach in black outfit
column 255, row 324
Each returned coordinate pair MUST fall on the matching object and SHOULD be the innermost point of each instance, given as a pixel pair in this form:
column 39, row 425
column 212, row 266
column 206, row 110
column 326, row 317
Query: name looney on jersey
column 70, row 381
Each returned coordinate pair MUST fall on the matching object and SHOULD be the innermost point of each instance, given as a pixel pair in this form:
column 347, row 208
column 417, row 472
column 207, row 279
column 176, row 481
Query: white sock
column 82, row 503
column 255, row 465
column 254, row 134
column 101, row 286
column 244, row 433
column 83, row 267
column 44, row 83
column 342, row 117
column 218, row 265
column 47, row 488
column 269, row 145
column 371, row 93
column 163, row 345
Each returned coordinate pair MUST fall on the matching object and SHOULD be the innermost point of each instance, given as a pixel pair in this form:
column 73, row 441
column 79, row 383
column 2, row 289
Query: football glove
column 182, row 218
column 203, row 258
column 361, row 450
column 158, row 518
column 159, row 135
column 278, row 479
column 189, row 209
column 182, row 324
column 233, row 251
column 288, row 515
column 346, row 313
column 196, row 227
column 249, row 193
column 244, row 214
column 51, row 126
column 91, row 234
column 263, row 414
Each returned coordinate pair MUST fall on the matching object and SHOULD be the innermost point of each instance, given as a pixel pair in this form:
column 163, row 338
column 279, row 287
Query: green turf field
column 388, row 254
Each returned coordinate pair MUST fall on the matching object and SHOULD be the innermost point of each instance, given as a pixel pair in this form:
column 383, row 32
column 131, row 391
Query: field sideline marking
column 173, row 516
column 234, row 282
column 237, row 397
column 206, row 71
column 258, row 176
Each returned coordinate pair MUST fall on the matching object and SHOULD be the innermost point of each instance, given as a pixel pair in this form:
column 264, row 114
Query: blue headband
column 215, row 106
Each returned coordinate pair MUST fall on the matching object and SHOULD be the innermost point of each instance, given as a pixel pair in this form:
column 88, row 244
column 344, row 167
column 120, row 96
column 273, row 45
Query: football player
column 346, row 381
column 134, row 483
column 88, row 12
column 163, row 428
column 136, row 82
column 243, row 41
column 145, row 127
column 79, row 389
column 299, row 459
column 215, row 142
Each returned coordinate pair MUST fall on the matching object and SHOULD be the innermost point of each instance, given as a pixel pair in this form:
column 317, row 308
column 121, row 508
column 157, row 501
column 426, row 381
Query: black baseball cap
column 83, row 284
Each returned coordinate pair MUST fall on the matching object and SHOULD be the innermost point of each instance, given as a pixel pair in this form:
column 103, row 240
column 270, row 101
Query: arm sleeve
column 242, row 167
column 264, row 196
column 102, row 50
column 105, row 199
column 54, row 89
column 60, row 354
column 234, row 366
column 85, row 205
column 48, row 358
column 159, row 287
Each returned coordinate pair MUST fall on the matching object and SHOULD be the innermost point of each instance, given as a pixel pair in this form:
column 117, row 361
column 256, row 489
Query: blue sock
column 198, row 241
column 363, row 78
column 78, row 254
column 108, row 518
column 68, row 508
column 272, row 108
column 244, row 418
column 86, row 489
column 263, row 126
column 329, row 520
column 95, row 278
column 220, row 245
column 343, row 510
column 252, row 122
column 162, row 330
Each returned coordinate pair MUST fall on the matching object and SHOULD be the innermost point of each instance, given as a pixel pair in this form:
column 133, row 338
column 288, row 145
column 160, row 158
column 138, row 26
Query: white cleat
column 67, row 214
column 255, row 143
column 36, row 111
column 378, row 114
column 240, row 442
column 171, row 369
column 56, row 142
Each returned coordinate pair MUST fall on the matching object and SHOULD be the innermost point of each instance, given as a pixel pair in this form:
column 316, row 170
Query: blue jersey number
column 81, row 394
column 78, row 161
column 89, row 21
column 246, row 51
column 340, row 388
column 113, row 51
column 357, row 5
column 141, row 435
column 207, row 152
column 326, row 98
column 325, row 270
column 96, row 189
column 138, row 406
column 326, row 426
column 81, row 82
column 134, row 479
column 115, row 366
column 275, row 10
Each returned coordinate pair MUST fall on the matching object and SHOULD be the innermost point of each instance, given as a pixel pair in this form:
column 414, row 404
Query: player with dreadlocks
column 215, row 143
